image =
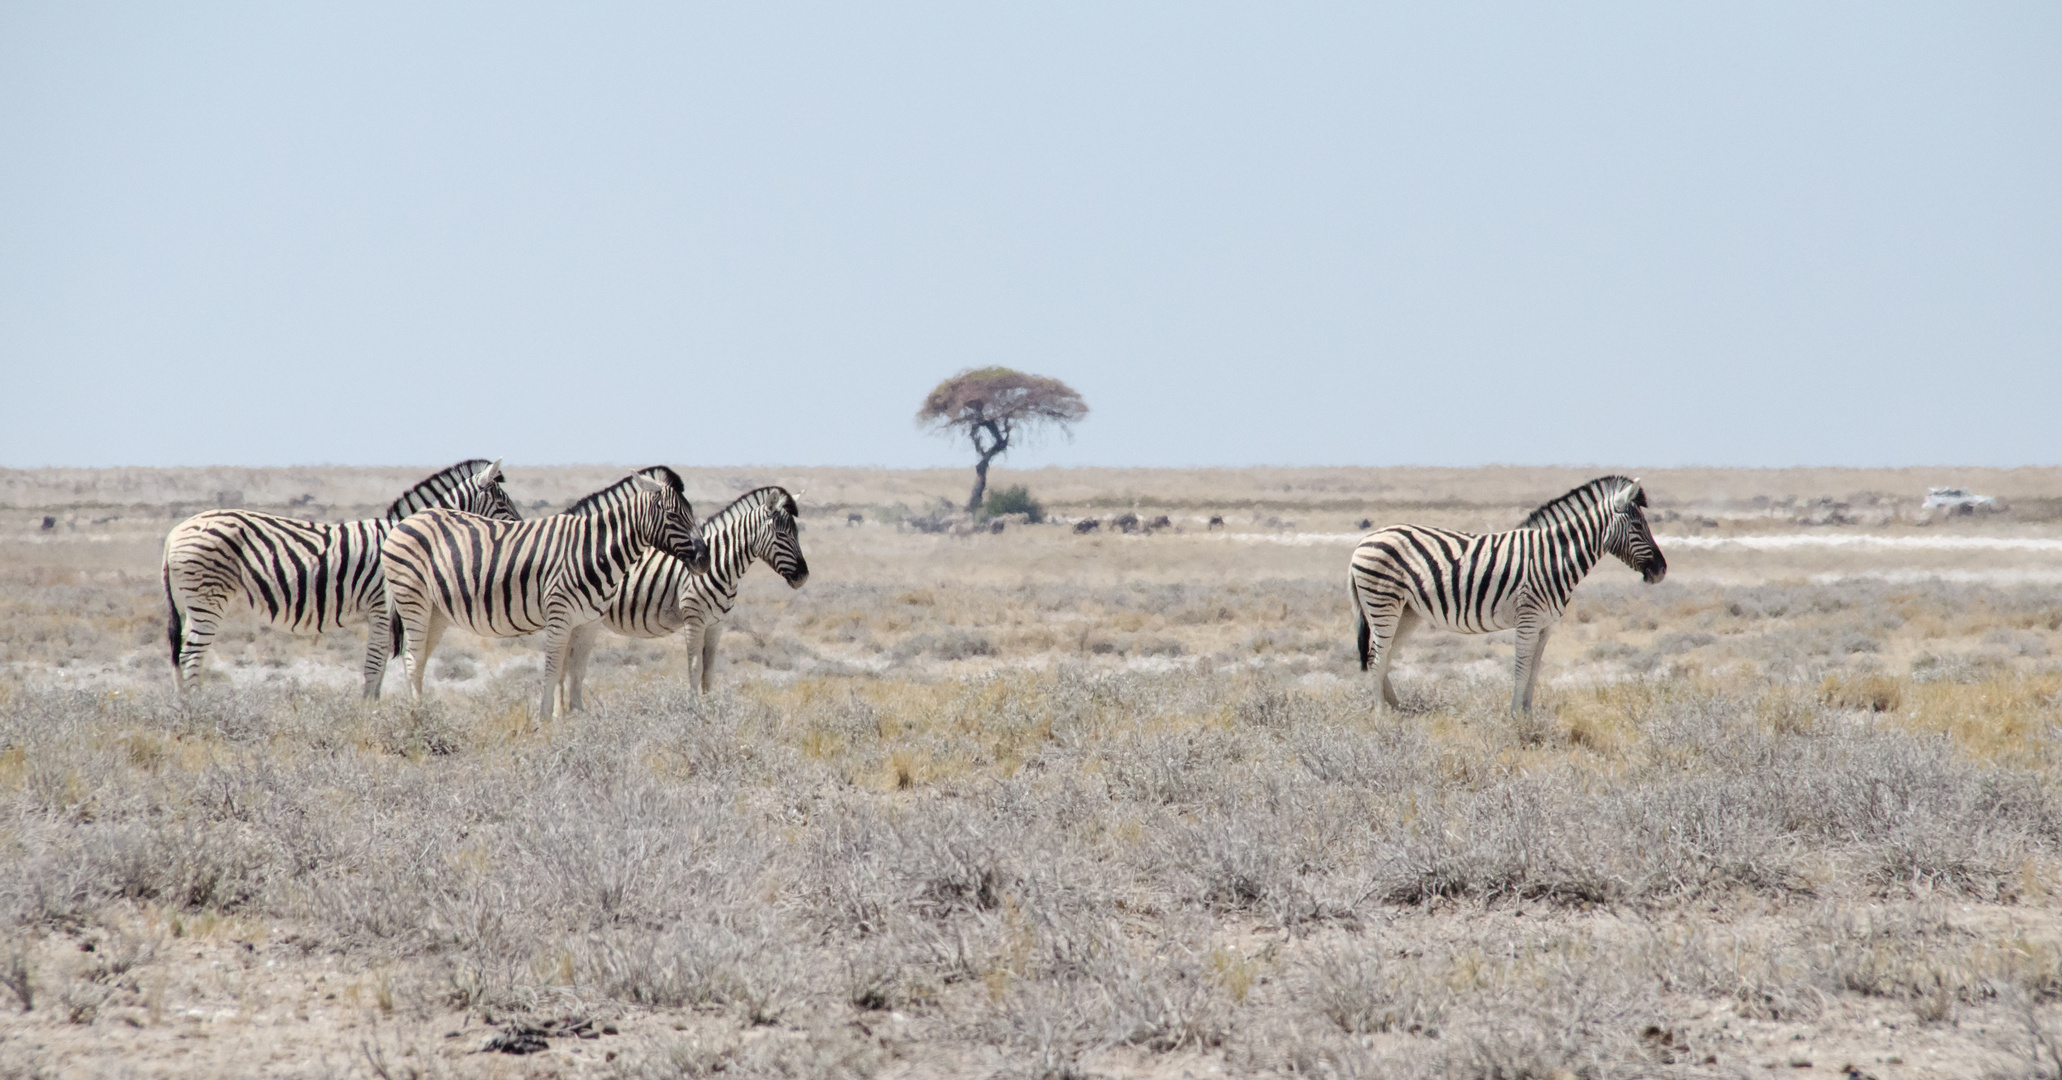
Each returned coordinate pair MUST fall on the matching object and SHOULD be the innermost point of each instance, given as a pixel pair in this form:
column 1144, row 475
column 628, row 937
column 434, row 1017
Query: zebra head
column 782, row 546
column 1627, row 536
column 481, row 494
column 675, row 531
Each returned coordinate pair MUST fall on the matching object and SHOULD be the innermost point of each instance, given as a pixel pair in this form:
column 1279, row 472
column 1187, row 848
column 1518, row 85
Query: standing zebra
column 1476, row 584
column 555, row 574
column 304, row 576
column 663, row 595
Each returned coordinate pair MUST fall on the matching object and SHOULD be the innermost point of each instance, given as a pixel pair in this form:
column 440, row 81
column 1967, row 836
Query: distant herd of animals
column 632, row 558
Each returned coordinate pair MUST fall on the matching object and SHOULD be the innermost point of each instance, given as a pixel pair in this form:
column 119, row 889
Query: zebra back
column 622, row 491
column 1591, row 503
column 472, row 485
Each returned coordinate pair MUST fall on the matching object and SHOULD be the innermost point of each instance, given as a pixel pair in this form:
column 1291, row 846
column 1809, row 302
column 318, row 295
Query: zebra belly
column 318, row 594
column 490, row 613
column 1502, row 617
column 496, row 623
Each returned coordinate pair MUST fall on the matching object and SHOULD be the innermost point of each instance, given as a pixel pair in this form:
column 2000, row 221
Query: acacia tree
column 994, row 405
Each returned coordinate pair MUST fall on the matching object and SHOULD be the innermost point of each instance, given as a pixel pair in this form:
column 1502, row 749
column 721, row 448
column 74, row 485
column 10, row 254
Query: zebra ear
column 646, row 483
column 492, row 473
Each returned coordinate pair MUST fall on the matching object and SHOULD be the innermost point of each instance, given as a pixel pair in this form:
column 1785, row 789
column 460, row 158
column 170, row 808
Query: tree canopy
column 993, row 405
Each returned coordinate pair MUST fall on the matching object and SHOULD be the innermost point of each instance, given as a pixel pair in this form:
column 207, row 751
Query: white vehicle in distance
column 1956, row 500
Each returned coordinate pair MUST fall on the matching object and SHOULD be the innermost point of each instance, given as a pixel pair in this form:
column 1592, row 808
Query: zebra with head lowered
column 303, row 576
column 664, row 595
column 1478, row 583
column 507, row 579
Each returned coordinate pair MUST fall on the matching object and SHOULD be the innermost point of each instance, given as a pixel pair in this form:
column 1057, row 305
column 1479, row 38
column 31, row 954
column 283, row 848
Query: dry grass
column 1040, row 805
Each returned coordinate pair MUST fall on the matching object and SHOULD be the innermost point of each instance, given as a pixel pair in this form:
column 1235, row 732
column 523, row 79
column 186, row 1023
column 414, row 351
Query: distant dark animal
column 995, row 527
column 1365, row 524
column 1215, row 523
column 854, row 518
column 304, row 576
column 1475, row 584
column 1087, row 525
column 1161, row 522
column 49, row 523
column 1126, row 522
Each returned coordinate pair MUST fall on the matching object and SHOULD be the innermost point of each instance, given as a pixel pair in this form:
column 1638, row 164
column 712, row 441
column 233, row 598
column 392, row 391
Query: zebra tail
column 396, row 633
column 175, row 623
column 1360, row 630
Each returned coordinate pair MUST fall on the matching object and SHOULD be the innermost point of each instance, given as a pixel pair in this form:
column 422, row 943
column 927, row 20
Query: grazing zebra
column 507, row 579
column 664, row 595
column 304, row 576
column 1475, row 584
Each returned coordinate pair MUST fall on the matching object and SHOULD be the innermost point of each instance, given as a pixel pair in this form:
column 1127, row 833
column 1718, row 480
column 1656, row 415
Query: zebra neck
column 618, row 544
column 1585, row 543
column 730, row 554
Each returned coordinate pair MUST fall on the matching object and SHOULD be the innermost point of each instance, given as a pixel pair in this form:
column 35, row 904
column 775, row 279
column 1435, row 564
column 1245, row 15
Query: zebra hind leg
column 195, row 628
column 1406, row 621
column 1387, row 622
column 379, row 646
column 423, row 635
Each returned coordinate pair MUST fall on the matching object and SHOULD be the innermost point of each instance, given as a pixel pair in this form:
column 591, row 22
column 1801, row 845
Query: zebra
column 507, row 579
column 1476, row 584
column 303, row 576
column 663, row 595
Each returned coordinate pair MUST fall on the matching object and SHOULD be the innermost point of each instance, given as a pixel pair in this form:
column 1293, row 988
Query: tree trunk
column 980, row 484
column 998, row 441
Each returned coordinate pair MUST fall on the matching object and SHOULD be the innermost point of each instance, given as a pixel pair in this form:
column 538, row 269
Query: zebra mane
column 754, row 497
column 431, row 490
column 1597, row 492
column 620, row 489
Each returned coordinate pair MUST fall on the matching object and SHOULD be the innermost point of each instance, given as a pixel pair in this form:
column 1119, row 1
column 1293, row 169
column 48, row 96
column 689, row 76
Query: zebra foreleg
column 710, row 634
column 1532, row 638
column 558, row 639
column 697, row 670
column 578, row 647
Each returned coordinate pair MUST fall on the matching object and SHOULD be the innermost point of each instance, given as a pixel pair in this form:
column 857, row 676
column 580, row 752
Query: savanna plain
column 1046, row 804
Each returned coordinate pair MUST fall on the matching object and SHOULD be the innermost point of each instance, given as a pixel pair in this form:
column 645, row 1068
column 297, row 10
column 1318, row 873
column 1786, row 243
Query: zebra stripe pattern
column 303, row 576
column 664, row 596
column 1478, row 583
column 507, row 579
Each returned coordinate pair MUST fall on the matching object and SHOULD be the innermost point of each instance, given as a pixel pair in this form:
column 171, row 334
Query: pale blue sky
column 1639, row 234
